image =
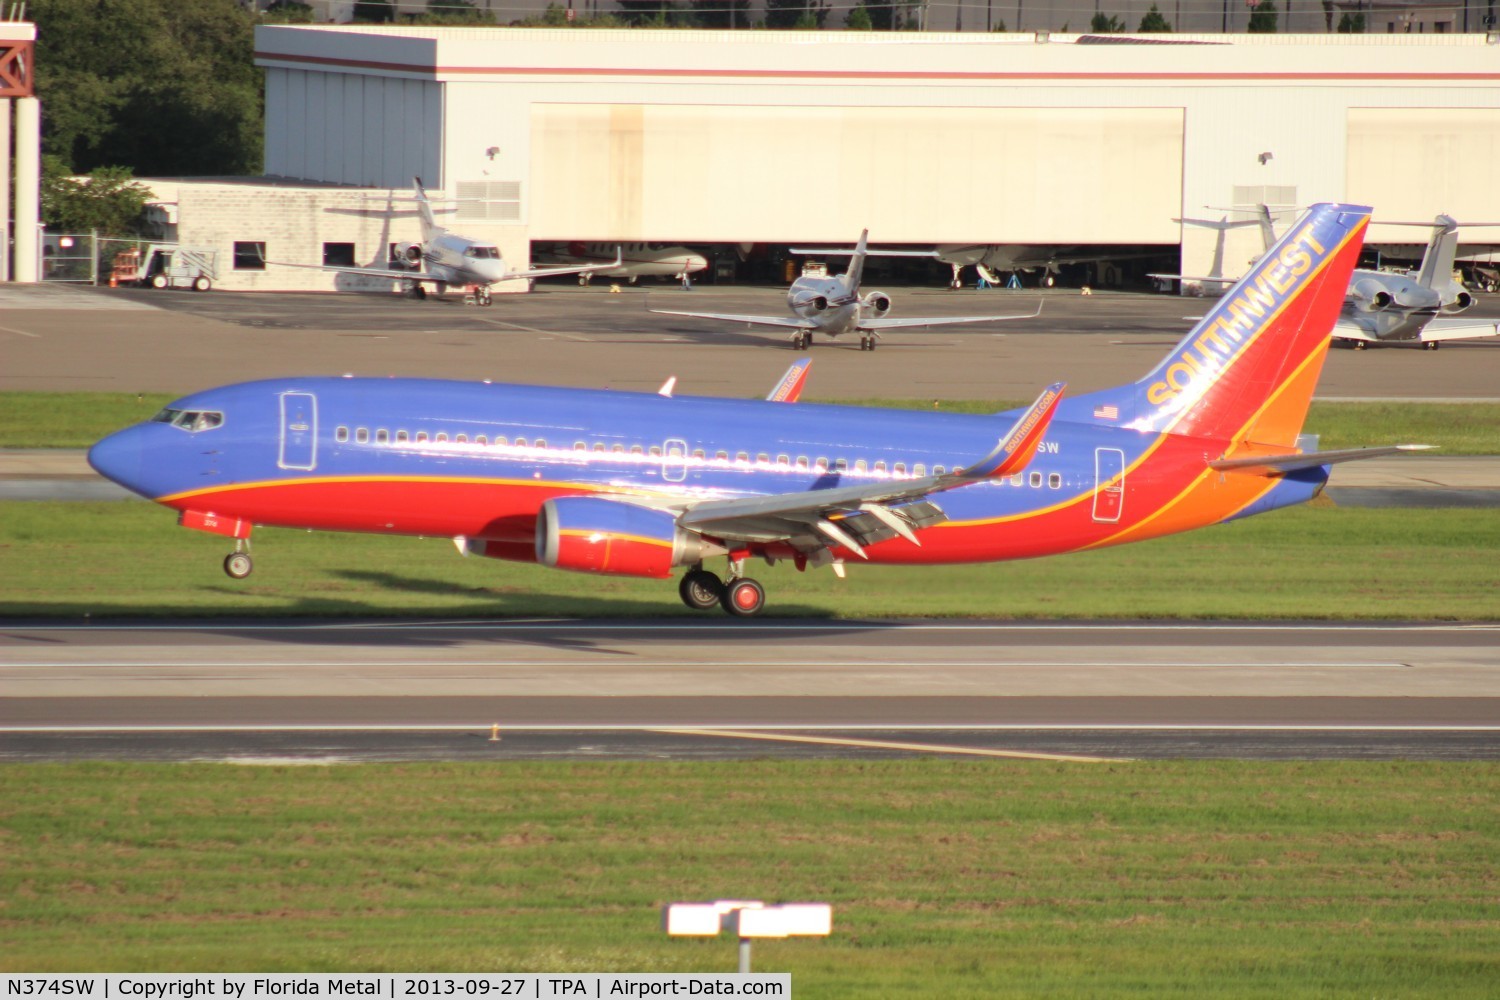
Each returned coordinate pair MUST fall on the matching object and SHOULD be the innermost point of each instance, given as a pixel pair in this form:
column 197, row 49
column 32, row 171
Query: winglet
column 667, row 387
column 1014, row 451
column 790, row 386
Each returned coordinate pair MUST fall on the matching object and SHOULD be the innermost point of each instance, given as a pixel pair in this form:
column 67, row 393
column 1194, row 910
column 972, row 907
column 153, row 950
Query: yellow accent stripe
column 613, row 536
column 841, row 741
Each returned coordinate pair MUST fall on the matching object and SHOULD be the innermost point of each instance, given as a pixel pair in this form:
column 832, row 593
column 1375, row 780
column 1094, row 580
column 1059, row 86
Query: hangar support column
column 28, row 134
column 17, row 48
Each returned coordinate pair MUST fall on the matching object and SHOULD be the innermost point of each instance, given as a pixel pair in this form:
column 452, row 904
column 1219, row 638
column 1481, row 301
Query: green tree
column 1263, row 18
column 858, row 19
column 1352, row 24
column 163, row 86
column 440, row 12
column 109, row 200
column 1106, row 24
column 722, row 13
column 1154, row 22
column 288, row 12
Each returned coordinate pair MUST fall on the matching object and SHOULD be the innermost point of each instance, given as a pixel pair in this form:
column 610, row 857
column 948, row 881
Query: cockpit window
column 190, row 420
column 484, row 253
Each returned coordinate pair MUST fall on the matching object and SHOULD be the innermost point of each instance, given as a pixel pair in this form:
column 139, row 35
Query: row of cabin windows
column 802, row 463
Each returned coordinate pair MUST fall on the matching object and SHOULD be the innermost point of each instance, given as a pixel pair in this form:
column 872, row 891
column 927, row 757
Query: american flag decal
column 1107, row 412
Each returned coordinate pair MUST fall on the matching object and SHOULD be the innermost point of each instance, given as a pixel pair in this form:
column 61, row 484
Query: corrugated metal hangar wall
column 789, row 137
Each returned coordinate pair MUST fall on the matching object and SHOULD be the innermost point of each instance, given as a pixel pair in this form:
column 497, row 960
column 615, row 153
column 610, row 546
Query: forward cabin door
column 1109, row 484
column 299, row 431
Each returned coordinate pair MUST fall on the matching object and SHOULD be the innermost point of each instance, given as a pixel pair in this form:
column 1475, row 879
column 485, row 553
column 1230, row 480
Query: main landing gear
column 867, row 342
column 238, row 564
column 801, row 340
column 479, row 295
column 741, row 596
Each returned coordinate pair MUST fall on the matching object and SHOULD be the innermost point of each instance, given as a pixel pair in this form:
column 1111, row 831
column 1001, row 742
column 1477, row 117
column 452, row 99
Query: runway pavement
column 363, row 691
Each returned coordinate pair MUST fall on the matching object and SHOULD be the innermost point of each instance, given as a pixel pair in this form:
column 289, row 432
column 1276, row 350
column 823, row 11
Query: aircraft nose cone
column 696, row 262
column 121, row 459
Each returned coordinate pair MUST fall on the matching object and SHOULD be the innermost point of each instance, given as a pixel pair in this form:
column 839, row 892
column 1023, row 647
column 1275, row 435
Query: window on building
column 338, row 254
column 250, row 256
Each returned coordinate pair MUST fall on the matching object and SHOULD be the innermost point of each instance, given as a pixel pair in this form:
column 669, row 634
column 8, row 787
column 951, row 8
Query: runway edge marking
column 844, row 741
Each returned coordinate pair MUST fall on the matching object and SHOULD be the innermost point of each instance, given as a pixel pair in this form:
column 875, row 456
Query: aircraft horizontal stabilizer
column 892, row 324
column 1275, row 465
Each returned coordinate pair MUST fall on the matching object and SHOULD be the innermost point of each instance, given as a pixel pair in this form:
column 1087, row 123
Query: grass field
column 947, row 879
column 103, row 559
column 78, row 419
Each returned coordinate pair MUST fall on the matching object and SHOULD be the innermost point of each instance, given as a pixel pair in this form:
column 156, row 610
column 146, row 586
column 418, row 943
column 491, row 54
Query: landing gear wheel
column 417, row 291
column 700, row 589
column 744, row 598
column 803, row 340
column 202, row 284
column 483, row 298
column 238, row 565
column 867, row 343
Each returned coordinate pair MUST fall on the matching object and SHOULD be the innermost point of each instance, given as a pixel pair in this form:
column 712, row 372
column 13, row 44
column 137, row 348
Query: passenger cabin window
column 1054, row 480
column 900, row 468
column 655, row 451
column 482, row 440
column 483, row 253
column 762, row 458
column 421, row 437
column 801, row 463
column 539, row 443
column 362, row 435
column 782, row 461
column 402, row 437
column 859, row 466
column 382, row 436
column 820, row 464
column 500, row 441
column 600, row 448
column 342, row 434
column 617, row 449
column 721, row 456
column 698, row 454
column 742, row 457
column 636, row 449
column 841, row 465
column 461, row 439
column 1018, row 479
column 1036, row 480
column 880, row 467
column 580, row 446
column 520, row 442
column 442, row 438
column 919, row 470
column 937, row 470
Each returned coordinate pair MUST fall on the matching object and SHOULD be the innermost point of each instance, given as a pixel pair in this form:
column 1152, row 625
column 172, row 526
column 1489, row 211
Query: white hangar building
column 790, row 137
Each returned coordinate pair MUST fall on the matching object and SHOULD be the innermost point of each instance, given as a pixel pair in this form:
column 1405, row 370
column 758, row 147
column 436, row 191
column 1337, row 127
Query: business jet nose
column 121, row 458
column 694, row 262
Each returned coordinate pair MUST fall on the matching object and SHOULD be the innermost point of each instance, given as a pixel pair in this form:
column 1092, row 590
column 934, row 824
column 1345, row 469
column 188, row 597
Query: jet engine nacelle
column 412, row 253
column 1456, row 299
column 1371, row 295
column 817, row 303
column 877, row 303
column 595, row 535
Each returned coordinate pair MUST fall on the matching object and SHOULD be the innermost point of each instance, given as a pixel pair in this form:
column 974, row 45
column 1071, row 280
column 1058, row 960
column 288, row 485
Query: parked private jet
column 834, row 306
column 444, row 259
column 642, row 484
column 634, row 260
column 1383, row 307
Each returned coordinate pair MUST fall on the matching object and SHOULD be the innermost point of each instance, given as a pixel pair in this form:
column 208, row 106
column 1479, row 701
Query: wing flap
column 892, row 324
column 785, row 321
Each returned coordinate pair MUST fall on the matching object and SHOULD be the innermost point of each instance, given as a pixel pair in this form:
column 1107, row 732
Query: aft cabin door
column 1109, row 484
column 299, row 431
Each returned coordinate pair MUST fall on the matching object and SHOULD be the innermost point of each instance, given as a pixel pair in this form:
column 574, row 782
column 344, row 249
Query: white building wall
column 732, row 136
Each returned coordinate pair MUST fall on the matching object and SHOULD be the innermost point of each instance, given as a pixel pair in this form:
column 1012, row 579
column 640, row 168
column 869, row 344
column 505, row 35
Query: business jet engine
column 1375, row 295
column 411, row 255
column 817, row 303
column 595, row 535
column 877, row 304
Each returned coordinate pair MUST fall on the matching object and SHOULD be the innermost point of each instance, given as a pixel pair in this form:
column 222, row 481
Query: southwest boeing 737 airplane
column 643, row 484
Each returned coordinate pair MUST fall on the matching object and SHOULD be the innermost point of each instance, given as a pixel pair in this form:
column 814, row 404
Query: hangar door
column 911, row 175
column 1412, row 163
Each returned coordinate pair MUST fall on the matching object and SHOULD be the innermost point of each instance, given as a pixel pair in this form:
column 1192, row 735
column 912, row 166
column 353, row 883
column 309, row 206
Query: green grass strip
column 78, row 419
column 948, row 879
column 1313, row 562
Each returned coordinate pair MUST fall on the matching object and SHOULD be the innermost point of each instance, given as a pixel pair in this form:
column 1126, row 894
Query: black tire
column 202, row 284
column 158, row 281
column 744, row 598
column 238, row 565
column 700, row 589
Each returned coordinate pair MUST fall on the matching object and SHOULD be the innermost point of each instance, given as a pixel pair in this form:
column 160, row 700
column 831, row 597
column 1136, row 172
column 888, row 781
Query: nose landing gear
column 238, row 564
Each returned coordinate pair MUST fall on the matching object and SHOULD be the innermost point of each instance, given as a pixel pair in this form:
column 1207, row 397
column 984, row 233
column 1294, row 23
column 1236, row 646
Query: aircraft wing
column 1274, row 465
column 859, row 515
column 548, row 272
column 394, row 274
column 791, row 322
column 1441, row 328
column 892, row 324
column 1219, row 280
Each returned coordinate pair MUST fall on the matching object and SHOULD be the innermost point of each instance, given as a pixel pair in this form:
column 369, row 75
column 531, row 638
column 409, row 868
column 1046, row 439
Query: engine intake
column 595, row 535
column 412, row 252
column 878, row 303
column 1371, row 295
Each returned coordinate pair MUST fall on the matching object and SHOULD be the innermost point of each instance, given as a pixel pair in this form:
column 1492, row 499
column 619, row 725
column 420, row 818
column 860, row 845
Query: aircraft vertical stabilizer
column 1246, row 371
column 856, row 270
